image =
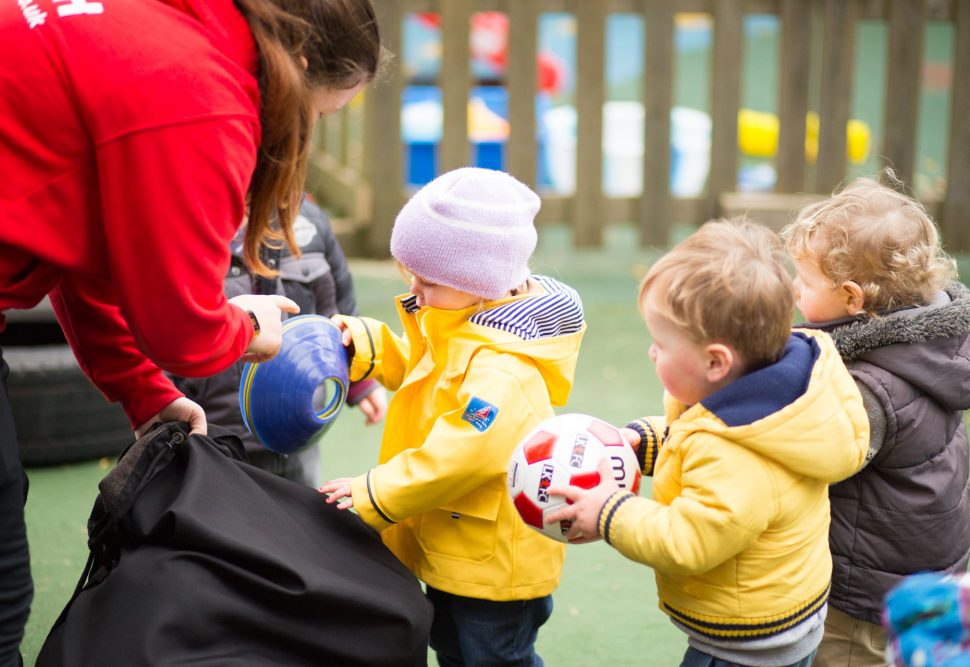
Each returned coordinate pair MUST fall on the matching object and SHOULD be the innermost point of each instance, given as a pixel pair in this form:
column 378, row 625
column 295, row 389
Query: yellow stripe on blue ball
column 276, row 397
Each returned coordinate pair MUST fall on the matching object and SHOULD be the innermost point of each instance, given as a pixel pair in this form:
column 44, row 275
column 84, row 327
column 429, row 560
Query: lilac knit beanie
column 470, row 229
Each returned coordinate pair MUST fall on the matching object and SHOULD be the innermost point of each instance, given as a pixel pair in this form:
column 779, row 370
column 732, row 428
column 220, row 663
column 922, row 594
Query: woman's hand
column 585, row 507
column 179, row 410
column 268, row 309
column 339, row 490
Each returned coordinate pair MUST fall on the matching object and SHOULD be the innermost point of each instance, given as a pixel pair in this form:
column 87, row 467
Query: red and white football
column 563, row 450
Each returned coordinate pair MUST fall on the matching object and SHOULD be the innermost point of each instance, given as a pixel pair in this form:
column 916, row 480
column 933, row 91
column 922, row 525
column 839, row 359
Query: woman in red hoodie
column 134, row 136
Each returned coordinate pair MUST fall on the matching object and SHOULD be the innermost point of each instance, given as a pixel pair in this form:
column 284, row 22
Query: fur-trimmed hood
column 936, row 356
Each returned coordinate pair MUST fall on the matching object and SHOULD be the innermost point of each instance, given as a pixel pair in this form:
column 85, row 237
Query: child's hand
column 339, row 490
column 632, row 438
column 374, row 406
column 346, row 337
column 584, row 512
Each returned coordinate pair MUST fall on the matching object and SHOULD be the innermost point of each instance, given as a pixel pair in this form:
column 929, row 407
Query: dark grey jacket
column 907, row 511
column 318, row 281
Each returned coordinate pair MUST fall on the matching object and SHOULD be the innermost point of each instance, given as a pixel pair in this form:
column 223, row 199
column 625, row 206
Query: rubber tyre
column 59, row 415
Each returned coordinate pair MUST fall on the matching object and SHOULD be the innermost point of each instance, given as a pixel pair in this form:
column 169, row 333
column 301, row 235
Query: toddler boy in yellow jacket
column 758, row 422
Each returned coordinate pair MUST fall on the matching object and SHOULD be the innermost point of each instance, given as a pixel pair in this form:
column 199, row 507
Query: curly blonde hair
column 878, row 237
column 727, row 283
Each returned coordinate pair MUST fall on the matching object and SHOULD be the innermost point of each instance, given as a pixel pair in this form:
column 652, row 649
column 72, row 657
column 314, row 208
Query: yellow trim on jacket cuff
column 649, row 444
column 365, row 353
column 720, row 627
column 609, row 510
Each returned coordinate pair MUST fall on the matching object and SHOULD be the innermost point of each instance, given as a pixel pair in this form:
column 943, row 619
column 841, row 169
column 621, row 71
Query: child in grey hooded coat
column 319, row 281
column 871, row 272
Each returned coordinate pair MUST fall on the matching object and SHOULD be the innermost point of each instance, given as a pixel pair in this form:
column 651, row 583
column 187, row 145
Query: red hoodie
column 128, row 137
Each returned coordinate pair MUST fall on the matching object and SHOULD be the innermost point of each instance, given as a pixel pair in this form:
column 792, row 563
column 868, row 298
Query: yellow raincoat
column 469, row 385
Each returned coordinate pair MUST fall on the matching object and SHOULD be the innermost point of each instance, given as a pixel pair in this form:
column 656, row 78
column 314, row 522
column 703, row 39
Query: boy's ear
column 721, row 360
column 853, row 297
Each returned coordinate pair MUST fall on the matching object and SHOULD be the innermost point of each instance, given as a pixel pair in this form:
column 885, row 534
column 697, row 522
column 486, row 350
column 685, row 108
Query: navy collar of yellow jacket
column 767, row 390
column 803, row 412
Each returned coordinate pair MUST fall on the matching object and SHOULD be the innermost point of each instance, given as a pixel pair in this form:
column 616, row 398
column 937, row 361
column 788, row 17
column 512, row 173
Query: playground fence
column 358, row 160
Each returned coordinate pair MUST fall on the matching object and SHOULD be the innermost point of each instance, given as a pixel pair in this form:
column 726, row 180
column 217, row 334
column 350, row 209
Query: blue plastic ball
column 298, row 394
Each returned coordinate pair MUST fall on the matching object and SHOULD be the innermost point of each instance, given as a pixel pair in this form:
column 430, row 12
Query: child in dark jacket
column 319, row 282
column 871, row 273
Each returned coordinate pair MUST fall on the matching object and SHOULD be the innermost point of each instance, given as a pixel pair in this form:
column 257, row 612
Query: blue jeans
column 695, row 658
column 481, row 633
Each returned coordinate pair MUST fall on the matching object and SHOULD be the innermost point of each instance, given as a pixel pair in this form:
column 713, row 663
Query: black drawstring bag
column 198, row 558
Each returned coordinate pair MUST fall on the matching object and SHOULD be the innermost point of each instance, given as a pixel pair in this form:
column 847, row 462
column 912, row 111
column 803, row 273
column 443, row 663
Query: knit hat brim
column 470, row 229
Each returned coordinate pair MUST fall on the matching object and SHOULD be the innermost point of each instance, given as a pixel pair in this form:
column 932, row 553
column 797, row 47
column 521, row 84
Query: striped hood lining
column 559, row 312
column 410, row 304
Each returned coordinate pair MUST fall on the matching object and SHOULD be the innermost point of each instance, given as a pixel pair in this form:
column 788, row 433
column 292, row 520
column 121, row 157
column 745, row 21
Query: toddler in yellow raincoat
column 487, row 350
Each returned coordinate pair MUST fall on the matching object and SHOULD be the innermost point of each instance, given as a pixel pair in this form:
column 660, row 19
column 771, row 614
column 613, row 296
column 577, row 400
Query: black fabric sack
column 198, row 558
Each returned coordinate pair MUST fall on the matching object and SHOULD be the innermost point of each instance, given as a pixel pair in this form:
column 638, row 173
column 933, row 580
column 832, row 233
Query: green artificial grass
column 58, row 506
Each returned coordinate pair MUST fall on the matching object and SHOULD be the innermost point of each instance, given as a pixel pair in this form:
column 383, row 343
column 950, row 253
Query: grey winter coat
column 908, row 510
column 318, row 281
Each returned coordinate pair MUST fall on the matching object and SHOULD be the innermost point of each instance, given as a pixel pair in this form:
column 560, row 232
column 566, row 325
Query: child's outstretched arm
column 375, row 351
column 724, row 501
column 584, row 512
column 339, row 490
column 584, row 525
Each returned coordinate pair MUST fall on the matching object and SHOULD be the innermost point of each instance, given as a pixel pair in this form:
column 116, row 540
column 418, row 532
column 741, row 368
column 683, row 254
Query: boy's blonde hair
column 877, row 237
column 727, row 283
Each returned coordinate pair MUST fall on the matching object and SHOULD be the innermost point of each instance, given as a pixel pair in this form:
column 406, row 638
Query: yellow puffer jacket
column 737, row 530
column 469, row 385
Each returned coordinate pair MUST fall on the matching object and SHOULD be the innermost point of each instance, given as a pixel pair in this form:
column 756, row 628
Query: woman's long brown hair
column 339, row 43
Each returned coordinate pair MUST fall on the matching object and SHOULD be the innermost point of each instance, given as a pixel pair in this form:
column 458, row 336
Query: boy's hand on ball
column 584, row 505
column 632, row 437
column 339, row 490
column 553, row 465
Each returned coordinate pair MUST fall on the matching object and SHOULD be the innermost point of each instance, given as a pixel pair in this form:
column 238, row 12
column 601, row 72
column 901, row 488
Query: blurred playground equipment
column 674, row 143
column 623, row 122
column 488, row 49
column 758, row 136
column 488, row 127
